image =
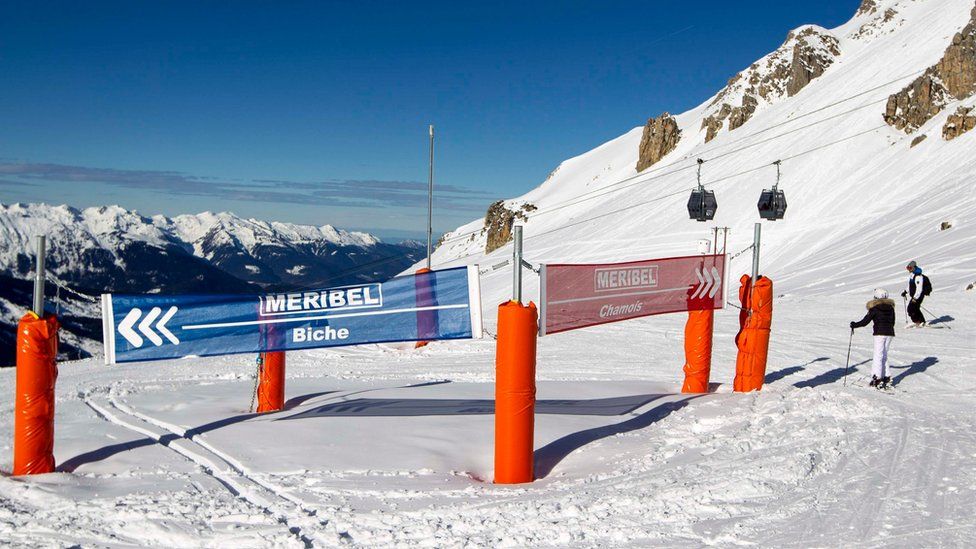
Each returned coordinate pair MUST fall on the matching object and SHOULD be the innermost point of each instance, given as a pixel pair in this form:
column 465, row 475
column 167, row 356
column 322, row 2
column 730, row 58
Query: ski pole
column 848, row 366
column 933, row 315
column 904, row 299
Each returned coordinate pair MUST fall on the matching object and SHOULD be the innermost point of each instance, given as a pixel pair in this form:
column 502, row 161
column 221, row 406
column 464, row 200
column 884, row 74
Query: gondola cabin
column 772, row 204
column 702, row 205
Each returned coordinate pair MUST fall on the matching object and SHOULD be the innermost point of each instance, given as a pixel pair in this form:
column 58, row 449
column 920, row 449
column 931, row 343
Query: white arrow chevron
column 705, row 282
column 146, row 327
column 125, row 328
column 701, row 283
column 161, row 327
column 708, row 283
column 718, row 282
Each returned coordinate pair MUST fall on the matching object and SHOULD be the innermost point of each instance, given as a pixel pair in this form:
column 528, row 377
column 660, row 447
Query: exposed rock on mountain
column 963, row 120
column 661, row 136
column 952, row 78
column 867, row 7
column 804, row 56
column 499, row 221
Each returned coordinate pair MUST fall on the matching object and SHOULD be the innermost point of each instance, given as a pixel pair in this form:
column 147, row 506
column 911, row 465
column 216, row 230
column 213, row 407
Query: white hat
column 880, row 293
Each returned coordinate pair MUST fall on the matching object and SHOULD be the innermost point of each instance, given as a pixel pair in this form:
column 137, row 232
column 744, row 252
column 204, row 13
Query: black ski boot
column 885, row 382
column 874, row 381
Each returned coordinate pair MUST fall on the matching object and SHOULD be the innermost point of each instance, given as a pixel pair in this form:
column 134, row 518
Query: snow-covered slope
column 862, row 199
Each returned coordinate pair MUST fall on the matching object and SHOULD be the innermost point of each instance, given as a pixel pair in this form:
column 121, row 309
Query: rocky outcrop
column 952, row 78
column 712, row 124
column 867, row 7
column 805, row 55
column 959, row 123
column 877, row 26
column 661, row 136
column 499, row 221
column 812, row 54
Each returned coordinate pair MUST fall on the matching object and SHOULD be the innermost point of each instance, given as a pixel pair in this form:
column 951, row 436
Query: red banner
column 576, row 296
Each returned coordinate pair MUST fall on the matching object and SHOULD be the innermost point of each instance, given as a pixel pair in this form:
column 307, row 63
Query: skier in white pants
column 881, row 311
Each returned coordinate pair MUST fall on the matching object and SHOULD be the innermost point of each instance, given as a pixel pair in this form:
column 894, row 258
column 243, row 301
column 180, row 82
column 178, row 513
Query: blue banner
column 423, row 307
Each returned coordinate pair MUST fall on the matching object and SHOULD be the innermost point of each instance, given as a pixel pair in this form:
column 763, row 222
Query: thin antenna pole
column 755, row 251
column 715, row 241
column 40, row 243
column 430, row 197
column 517, row 265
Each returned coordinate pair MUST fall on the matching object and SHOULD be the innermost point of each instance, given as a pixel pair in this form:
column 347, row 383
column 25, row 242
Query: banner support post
column 430, row 196
column 40, row 242
column 755, row 251
column 517, row 264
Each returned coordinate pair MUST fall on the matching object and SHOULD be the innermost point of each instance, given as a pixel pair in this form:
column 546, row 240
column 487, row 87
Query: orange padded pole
column 753, row 339
column 271, row 382
column 515, row 392
column 37, row 370
column 426, row 320
column 698, row 350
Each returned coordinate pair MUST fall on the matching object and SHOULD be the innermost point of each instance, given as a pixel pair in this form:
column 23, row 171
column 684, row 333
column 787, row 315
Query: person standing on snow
column 915, row 293
column 881, row 311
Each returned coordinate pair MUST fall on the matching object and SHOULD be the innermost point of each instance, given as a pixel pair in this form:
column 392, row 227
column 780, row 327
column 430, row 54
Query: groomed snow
column 387, row 446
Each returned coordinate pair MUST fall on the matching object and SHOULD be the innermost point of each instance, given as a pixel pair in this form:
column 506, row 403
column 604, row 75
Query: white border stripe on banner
column 542, row 300
column 474, row 301
column 322, row 317
column 108, row 329
column 611, row 296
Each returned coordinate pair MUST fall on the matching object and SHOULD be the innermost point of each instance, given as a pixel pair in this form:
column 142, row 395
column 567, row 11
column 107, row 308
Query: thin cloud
column 336, row 193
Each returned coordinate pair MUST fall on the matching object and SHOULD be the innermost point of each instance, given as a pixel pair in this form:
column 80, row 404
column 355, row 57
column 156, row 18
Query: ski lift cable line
column 642, row 176
column 680, row 192
column 713, row 182
column 646, row 175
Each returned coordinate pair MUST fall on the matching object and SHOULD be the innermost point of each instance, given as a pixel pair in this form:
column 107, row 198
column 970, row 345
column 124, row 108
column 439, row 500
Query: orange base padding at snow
column 271, row 382
column 753, row 337
column 37, row 371
column 698, row 351
column 515, row 392
column 426, row 320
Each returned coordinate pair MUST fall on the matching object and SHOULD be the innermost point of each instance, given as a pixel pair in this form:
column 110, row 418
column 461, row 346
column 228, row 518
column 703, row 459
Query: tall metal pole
column 755, row 251
column 517, row 264
column 40, row 243
column 430, row 196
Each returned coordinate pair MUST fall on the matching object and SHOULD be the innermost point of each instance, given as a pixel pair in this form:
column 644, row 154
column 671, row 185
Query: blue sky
column 317, row 112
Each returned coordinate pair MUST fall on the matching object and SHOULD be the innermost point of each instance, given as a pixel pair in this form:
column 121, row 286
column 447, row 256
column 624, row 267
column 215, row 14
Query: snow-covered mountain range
column 111, row 249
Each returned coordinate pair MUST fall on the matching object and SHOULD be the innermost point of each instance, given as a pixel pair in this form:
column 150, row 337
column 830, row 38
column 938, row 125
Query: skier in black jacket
column 915, row 293
column 881, row 311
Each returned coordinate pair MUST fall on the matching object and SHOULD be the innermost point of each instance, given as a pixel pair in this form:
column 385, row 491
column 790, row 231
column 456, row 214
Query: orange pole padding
column 515, row 392
column 753, row 338
column 426, row 320
column 37, row 370
column 698, row 350
column 271, row 382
